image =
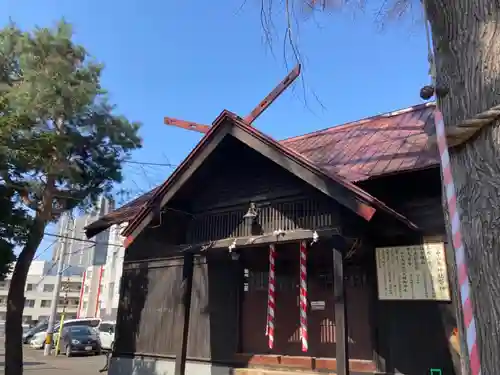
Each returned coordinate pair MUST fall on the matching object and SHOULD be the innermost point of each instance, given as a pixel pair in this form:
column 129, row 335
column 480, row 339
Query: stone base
column 267, row 365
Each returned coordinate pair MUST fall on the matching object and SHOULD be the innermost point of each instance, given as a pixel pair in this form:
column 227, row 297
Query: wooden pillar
column 184, row 307
column 341, row 335
column 239, row 281
column 378, row 347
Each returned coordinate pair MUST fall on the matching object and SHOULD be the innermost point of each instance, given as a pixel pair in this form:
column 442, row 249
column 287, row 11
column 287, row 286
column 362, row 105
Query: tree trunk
column 466, row 38
column 15, row 301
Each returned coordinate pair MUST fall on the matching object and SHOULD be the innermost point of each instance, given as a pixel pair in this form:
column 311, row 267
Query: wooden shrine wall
column 321, row 315
column 149, row 309
column 213, row 319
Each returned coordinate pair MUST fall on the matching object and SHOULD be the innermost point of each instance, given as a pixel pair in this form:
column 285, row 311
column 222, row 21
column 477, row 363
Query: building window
column 86, row 290
column 48, row 288
column 3, row 301
column 30, row 287
column 29, row 303
column 4, row 285
column 46, row 303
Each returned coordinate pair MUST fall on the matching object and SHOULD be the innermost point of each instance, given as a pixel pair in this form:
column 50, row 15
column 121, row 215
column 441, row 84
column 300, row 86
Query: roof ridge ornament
column 252, row 116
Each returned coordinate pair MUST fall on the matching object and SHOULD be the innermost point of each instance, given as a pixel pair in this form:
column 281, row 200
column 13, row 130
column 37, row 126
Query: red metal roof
column 386, row 144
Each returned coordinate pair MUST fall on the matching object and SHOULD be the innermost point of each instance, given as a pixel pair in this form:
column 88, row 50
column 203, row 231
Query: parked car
column 81, row 340
column 38, row 339
column 107, row 334
column 40, row 327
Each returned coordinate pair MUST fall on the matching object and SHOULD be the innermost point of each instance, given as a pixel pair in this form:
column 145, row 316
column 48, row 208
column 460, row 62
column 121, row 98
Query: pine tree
column 62, row 142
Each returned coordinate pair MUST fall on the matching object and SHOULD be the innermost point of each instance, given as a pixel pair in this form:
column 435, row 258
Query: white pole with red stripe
column 303, row 296
column 462, row 273
column 80, row 300
column 271, row 296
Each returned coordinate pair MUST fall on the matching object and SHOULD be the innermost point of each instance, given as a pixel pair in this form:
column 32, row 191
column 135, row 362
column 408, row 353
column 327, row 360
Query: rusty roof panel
column 120, row 215
column 380, row 145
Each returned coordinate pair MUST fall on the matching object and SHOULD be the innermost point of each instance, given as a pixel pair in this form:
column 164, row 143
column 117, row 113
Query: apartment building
column 88, row 288
column 96, row 257
column 113, row 268
column 39, row 291
column 79, row 251
column 101, row 284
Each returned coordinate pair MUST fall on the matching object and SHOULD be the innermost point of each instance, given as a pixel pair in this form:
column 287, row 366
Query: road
column 36, row 364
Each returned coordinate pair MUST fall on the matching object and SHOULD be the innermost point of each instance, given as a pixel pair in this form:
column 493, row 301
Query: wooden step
column 265, row 371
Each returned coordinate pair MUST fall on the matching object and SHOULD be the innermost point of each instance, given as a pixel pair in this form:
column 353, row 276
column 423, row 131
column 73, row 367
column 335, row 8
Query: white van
column 91, row 322
column 107, row 334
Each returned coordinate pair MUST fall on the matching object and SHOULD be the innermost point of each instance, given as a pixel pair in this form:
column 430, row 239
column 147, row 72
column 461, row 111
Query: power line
column 27, row 188
column 44, row 250
column 81, row 239
column 79, row 250
column 46, row 274
column 150, row 163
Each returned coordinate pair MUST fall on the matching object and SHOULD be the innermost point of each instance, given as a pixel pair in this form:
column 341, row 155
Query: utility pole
column 66, row 290
column 55, row 297
column 63, row 314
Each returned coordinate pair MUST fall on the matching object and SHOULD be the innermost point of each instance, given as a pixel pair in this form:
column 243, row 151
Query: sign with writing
column 412, row 273
column 317, row 305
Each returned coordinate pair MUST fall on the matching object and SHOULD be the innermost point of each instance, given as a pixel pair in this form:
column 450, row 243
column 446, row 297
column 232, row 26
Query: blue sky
column 192, row 59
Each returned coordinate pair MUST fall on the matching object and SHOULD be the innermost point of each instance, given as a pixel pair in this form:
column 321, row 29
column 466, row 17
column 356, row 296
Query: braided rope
column 461, row 133
column 465, row 130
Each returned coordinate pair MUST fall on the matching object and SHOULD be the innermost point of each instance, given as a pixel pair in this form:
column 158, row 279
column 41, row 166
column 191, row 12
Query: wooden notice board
column 412, row 273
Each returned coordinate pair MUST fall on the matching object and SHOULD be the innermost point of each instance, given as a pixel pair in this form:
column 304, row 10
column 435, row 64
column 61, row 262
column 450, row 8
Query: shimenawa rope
column 466, row 129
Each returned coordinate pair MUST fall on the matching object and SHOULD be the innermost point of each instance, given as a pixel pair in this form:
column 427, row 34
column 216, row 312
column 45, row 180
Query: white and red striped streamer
column 271, row 295
column 303, row 296
column 463, row 277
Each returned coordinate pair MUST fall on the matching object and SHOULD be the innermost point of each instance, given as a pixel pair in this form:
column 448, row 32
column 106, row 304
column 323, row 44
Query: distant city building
column 95, row 264
column 101, row 285
column 80, row 252
column 90, row 285
column 39, row 291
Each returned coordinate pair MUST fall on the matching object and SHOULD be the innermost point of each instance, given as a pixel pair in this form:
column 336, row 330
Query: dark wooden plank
column 239, row 280
column 341, row 335
column 378, row 356
column 222, row 307
column 324, row 184
column 186, row 286
column 250, row 241
column 199, row 317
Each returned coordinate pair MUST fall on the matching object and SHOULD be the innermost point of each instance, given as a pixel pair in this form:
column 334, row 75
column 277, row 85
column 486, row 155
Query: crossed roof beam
column 252, row 116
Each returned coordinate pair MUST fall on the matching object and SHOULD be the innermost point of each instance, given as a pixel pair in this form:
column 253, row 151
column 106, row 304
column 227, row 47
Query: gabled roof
column 380, row 145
